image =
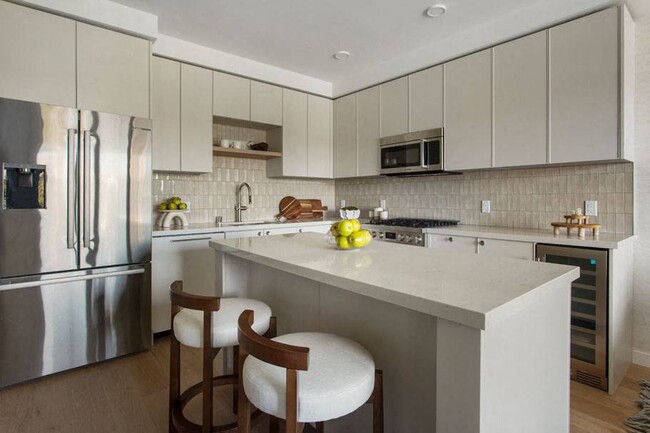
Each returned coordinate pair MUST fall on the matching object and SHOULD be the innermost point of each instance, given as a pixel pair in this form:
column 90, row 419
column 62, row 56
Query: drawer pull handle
column 450, row 239
column 481, row 243
column 190, row 240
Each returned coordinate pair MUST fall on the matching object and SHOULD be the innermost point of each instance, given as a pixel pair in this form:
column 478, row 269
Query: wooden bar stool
column 209, row 323
column 337, row 376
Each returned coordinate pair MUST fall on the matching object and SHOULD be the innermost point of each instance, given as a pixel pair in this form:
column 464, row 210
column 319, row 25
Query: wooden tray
column 595, row 228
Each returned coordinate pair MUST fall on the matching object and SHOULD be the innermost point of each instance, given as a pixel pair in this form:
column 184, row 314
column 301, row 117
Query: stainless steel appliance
column 75, row 238
column 589, row 295
column 415, row 153
column 408, row 231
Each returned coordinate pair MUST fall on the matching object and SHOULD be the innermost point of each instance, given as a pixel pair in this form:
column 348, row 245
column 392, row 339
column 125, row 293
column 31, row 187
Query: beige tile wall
column 213, row 193
column 526, row 198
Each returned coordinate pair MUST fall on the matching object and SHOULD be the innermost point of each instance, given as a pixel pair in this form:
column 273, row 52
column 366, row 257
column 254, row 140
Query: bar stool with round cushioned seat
column 209, row 323
column 305, row 377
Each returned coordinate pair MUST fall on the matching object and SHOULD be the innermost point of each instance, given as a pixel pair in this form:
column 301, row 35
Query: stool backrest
column 267, row 350
column 193, row 302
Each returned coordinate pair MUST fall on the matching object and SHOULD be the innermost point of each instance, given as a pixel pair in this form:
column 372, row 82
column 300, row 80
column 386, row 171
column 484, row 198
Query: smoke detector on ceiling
column 435, row 11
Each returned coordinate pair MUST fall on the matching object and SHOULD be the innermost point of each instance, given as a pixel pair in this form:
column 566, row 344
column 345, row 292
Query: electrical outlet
column 382, row 204
column 485, row 206
column 342, row 204
column 591, row 207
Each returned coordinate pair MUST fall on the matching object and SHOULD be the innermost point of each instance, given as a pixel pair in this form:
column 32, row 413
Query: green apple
column 357, row 240
column 162, row 206
column 175, row 200
column 182, row 206
column 346, row 228
column 334, row 229
column 356, row 225
column 172, row 206
column 342, row 242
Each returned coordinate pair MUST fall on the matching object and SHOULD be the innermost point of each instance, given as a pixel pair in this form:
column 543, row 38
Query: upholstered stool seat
column 340, row 379
column 188, row 324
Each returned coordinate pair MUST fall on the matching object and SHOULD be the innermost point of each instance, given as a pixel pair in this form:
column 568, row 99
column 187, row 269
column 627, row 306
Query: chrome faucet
column 238, row 206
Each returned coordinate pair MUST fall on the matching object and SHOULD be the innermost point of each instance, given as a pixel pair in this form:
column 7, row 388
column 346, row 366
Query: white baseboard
column 641, row 358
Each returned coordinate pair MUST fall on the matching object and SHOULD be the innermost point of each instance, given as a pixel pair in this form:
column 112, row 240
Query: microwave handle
column 422, row 154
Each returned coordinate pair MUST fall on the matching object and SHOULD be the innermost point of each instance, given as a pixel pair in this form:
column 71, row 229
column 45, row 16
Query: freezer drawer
column 72, row 319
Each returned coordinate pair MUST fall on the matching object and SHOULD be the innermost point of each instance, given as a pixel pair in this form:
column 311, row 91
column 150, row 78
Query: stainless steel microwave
column 415, row 153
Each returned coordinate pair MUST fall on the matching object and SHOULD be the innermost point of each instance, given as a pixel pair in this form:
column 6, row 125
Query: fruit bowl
column 348, row 235
column 350, row 214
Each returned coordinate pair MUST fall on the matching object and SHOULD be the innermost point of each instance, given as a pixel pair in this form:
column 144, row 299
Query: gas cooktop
column 415, row 223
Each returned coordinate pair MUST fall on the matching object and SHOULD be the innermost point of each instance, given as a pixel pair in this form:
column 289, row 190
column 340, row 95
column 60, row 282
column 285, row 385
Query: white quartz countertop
column 469, row 289
column 604, row 240
column 197, row 229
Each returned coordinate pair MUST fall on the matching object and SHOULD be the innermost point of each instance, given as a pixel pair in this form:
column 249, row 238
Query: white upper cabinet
column 112, row 72
column 584, row 88
column 231, row 96
column 468, row 112
column 181, row 111
column 291, row 139
column 319, row 137
column 166, row 114
column 426, row 99
column 520, row 102
column 368, row 132
column 38, row 56
column 345, row 149
column 196, row 119
column 394, row 97
column 266, row 103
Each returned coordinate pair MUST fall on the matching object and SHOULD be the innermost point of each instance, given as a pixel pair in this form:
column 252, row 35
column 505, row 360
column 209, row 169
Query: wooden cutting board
column 290, row 207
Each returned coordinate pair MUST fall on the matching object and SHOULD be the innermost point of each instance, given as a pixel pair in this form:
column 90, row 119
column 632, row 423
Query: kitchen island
column 467, row 343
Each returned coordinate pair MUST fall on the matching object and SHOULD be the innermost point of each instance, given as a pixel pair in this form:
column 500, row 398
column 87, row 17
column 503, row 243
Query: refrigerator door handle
column 86, row 213
column 24, row 284
column 72, row 138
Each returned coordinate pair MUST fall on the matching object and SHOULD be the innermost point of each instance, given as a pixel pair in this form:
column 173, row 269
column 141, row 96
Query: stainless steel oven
column 414, row 153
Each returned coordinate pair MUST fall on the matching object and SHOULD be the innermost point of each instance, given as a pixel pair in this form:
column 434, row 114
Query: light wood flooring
column 129, row 394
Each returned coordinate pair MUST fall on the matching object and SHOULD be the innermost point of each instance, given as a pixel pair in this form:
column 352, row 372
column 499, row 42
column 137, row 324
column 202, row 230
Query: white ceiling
column 387, row 38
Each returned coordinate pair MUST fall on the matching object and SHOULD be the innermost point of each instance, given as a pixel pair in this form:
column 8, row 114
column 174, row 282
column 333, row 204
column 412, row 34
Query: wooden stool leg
column 320, row 427
column 174, row 373
column 207, row 372
column 378, row 403
column 243, row 405
column 235, row 371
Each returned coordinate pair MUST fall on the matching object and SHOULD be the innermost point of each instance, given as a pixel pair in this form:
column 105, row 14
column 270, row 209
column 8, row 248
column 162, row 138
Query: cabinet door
column 346, row 136
column 368, row 132
column 509, row 249
column 196, row 119
column 468, row 112
column 38, row 56
column 112, row 72
column 266, row 103
column 186, row 258
column 319, row 137
column 395, row 107
column 294, row 133
column 520, row 102
column 231, row 96
column 426, row 99
column 585, row 88
column 166, row 114
column 452, row 243
column 244, row 234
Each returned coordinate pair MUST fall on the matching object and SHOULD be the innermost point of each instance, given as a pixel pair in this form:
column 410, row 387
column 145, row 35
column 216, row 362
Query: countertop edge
column 158, row 232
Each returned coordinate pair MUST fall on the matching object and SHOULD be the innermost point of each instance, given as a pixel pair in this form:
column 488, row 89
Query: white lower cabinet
column 474, row 245
column 277, row 231
column 187, row 258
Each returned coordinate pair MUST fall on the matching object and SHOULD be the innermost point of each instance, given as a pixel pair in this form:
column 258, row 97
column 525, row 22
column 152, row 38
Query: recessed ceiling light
column 341, row 55
column 435, row 11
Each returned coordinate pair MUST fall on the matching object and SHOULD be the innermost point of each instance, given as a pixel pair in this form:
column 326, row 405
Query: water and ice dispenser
column 23, row 186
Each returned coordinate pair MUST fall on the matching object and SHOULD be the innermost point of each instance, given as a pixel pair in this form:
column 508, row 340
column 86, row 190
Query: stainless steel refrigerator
column 75, row 238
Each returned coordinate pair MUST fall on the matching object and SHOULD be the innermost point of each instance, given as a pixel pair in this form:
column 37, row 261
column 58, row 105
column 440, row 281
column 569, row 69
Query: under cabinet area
column 187, row 258
column 476, row 245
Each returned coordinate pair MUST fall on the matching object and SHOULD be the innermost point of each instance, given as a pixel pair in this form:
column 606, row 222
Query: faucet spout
column 239, row 207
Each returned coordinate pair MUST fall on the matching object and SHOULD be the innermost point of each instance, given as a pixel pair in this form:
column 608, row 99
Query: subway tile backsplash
column 213, row 193
column 523, row 198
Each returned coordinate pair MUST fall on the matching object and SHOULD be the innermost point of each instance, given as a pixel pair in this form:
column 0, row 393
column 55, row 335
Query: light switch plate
column 382, row 204
column 342, row 204
column 591, row 207
column 485, row 206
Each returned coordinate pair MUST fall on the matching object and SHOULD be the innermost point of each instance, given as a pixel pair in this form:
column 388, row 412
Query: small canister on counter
column 383, row 215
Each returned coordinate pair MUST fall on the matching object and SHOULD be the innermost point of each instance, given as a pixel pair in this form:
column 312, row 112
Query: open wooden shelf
column 245, row 153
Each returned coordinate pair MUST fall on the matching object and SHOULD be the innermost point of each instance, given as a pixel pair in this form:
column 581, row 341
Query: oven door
column 412, row 157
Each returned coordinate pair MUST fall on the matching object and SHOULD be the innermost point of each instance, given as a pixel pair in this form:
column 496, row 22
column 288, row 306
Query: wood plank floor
column 129, row 394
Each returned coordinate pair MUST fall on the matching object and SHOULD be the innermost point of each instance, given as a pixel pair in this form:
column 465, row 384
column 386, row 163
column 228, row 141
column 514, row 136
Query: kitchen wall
column 527, row 198
column 213, row 193
column 642, row 195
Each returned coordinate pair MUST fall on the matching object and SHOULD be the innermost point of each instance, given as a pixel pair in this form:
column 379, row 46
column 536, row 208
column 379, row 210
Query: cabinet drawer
column 510, row 249
column 452, row 243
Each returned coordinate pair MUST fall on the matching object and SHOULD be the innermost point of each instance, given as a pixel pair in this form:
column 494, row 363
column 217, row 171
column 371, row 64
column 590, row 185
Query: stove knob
column 381, row 235
column 417, row 240
column 408, row 239
column 400, row 237
column 374, row 234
